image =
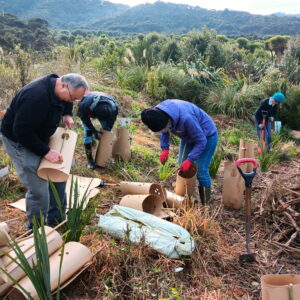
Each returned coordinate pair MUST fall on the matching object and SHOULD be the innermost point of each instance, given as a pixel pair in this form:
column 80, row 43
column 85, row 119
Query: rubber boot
column 204, row 193
column 89, row 155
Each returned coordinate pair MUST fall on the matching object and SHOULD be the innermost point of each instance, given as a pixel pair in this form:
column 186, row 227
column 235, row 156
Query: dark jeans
column 203, row 160
column 39, row 195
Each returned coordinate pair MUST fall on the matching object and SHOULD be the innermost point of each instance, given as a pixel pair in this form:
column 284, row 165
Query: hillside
column 178, row 18
column 32, row 34
column 161, row 17
column 64, row 14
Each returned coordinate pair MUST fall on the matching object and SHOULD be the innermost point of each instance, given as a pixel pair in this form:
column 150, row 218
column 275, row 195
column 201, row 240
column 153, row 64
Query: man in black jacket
column 267, row 111
column 32, row 117
column 96, row 105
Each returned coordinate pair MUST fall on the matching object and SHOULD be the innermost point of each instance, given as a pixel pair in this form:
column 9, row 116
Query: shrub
column 154, row 87
column 135, row 78
column 232, row 136
column 235, row 100
column 289, row 111
column 177, row 84
column 292, row 60
column 273, row 82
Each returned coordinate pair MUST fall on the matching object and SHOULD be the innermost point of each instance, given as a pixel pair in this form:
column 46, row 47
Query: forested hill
column 160, row 16
column 32, row 34
column 179, row 18
column 63, row 14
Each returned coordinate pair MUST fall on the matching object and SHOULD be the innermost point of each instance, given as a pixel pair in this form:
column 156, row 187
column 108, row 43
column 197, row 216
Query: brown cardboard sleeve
column 185, row 181
column 76, row 256
column 66, row 146
column 151, row 204
column 104, row 150
column 280, row 287
column 233, row 186
column 121, row 146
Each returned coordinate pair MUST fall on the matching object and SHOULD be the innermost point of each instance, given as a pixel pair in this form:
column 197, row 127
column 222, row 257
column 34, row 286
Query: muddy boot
column 204, row 193
column 89, row 155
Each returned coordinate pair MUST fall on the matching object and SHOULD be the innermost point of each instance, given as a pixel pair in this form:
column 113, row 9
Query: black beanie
column 155, row 119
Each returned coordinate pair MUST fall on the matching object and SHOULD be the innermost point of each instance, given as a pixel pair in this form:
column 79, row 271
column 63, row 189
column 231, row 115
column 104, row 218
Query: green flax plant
column 269, row 159
column 39, row 273
column 216, row 161
column 168, row 169
column 77, row 215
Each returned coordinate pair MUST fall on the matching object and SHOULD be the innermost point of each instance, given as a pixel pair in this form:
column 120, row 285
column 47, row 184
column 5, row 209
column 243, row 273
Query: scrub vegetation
column 225, row 76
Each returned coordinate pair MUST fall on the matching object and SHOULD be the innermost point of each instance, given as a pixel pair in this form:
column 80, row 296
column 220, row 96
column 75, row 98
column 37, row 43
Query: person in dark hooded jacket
column 198, row 134
column 96, row 105
column 267, row 110
column 30, row 120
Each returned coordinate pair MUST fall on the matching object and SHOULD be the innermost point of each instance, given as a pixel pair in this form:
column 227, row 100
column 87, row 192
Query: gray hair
column 75, row 81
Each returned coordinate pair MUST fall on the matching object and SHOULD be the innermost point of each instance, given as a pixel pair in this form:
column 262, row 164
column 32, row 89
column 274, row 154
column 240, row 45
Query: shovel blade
column 247, row 258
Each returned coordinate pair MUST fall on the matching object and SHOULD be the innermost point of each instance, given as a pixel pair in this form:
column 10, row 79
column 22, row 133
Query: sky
column 262, row 7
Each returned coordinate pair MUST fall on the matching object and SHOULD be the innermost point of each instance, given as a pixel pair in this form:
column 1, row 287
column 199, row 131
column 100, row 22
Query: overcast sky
column 253, row 6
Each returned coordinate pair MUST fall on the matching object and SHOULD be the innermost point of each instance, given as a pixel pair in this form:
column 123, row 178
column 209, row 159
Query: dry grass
column 123, row 270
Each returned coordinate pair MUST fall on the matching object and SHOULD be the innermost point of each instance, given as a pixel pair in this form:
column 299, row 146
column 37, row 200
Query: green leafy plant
column 135, row 78
column 269, row 159
column 233, row 136
column 77, row 215
column 166, row 170
column 216, row 161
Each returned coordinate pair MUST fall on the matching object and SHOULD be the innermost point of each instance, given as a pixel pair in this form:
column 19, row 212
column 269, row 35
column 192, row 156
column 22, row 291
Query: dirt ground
column 213, row 272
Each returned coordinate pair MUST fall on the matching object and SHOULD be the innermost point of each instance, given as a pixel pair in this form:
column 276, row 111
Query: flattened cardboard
column 151, row 204
column 280, row 287
column 233, row 186
column 20, row 204
column 4, row 226
column 66, row 146
column 54, row 242
column 104, row 150
column 185, row 181
column 4, row 288
column 121, row 146
column 83, row 183
column 4, row 237
column 71, row 265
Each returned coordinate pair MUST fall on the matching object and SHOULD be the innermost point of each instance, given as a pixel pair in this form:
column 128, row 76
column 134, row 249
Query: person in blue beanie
column 96, row 105
column 267, row 110
column 198, row 134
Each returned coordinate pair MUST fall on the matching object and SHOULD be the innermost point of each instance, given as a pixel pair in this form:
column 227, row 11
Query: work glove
column 271, row 119
column 261, row 126
column 164, row 156
column 185, row 166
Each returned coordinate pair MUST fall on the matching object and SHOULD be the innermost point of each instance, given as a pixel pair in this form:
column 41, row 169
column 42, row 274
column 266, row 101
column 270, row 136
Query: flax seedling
column 77, row 216
column 166, row 170
column 39, row 272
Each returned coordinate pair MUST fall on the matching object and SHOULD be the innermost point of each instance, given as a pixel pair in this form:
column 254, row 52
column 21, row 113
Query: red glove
column 164, row 156
column 185, row 166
